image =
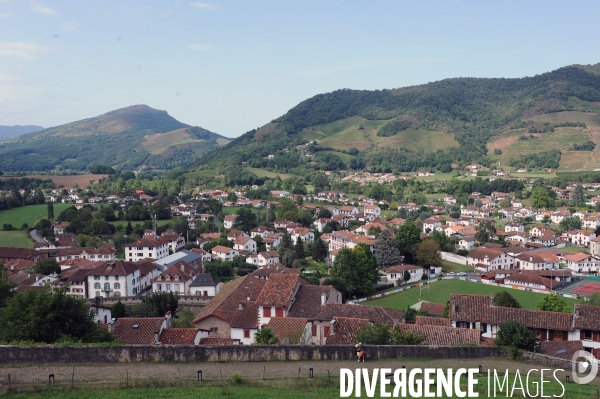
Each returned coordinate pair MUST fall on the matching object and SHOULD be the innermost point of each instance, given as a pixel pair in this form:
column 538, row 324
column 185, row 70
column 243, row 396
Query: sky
column 231, row 66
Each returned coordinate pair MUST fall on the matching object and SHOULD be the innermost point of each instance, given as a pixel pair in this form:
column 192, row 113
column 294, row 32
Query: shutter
column 581, row 335
column 313, row 330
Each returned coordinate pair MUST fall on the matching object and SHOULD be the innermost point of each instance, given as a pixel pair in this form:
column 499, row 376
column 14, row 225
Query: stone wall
column 546, row 360
column 164, row 353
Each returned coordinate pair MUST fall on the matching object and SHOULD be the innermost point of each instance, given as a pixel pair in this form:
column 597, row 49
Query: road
column 35, row 237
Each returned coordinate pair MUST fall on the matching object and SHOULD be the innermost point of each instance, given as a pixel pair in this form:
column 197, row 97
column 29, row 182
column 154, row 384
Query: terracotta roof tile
column 560, row 349
column 346, row 329
column 178, row 336
column 288, row 329
column 127, row 332
column 279, row 289
column 247, row 317
column 444, row 336
column 435, row 309
column 433, row 321
column 479, row 308
column 587, row 317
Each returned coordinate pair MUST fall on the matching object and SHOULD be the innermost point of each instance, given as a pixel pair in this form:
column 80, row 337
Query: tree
column 406, row 275
column 299, row 249
column 541, row 198
column 50, row 211
column 118, row 310
column 319, row 250
column 47, row 266
column 383, row 334
column 577, row 194
column 407, row 237
column 184, row 319
column 265, row 337
column 386, row 250
column 6, row 287
column 553, row 303
column 286, row 242
column 128, row 229
column 505, row 299
column 485, row 231
column 246, row 220
column 231, row 197
column 428, row 253
column 47, row 316
column 82, row 239
column 570, row 223
column 288, row 257
column 594, row 299
column 515, row 335
column 358, row 269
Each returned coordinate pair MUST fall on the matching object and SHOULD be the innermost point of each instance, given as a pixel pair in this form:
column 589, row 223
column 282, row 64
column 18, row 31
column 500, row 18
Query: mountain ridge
column 118, row 138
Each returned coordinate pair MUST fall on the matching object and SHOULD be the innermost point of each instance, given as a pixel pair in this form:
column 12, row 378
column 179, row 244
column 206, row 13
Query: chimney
column 531, row 258
column 156, row 339
column 248, row 297
column 240, row 306
column 323, row 299
column 333, row 325
column 169, row 320
column 182, row 267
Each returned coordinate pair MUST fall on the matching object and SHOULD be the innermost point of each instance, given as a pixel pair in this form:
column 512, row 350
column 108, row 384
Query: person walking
column 360, row 352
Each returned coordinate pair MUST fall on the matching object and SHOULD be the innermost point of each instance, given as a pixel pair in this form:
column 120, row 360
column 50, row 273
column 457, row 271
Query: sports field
column 587, row 288
column 440, row 291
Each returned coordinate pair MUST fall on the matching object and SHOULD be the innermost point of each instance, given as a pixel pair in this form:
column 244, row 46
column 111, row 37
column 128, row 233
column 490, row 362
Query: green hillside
column 128, row 138
column 430, row 126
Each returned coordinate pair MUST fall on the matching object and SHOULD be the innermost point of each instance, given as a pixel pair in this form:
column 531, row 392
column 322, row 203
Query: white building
column 147, row 247
column 395, row 274
column 114, row 279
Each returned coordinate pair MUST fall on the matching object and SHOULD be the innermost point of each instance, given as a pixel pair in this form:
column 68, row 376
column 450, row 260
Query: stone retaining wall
column 254, row 353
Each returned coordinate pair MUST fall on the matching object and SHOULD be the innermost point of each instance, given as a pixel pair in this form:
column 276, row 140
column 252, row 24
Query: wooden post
column 72, row 376
column 328, row 375
column 9, row 385
column 263, row 376
column 221, row 375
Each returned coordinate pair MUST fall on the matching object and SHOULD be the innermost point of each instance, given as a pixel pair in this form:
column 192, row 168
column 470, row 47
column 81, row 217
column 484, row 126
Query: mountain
column 548, row 120
column 128, row 138
column 7, row 132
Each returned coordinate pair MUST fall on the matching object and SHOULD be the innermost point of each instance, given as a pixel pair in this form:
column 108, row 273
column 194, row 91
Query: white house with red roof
column 583, row 263
column 486, row 259
column 229, row 221
column 372, row 210
column 395, row 274
column 114, row 279
column 176, row 279
column 147, row 247
column 244, row 244
column 580, row 237
column 225, row 253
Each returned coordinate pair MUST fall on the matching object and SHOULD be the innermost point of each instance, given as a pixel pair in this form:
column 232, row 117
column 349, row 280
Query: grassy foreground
column 29, row 214
column 291, row 389
column 440, row 293
column 17, row 238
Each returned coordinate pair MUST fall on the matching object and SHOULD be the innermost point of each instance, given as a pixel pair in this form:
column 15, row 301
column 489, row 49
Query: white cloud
column 199, row 47
column 70, row 26
column 43, row 10
column 4, row 15
column 204, row 6
column 28, row 51
column 16, row 96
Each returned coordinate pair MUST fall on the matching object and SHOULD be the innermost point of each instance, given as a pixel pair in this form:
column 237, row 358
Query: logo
column 584, row 363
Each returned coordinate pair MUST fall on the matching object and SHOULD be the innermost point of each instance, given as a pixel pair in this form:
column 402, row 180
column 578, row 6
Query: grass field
column 17, row 238
column 362, row 133
column 448, row 266
column 265, row 173
column 29, row 214
column 441, row 290
column 316, row 388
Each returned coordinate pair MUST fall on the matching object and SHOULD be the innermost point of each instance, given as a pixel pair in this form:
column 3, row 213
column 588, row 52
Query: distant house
column 395, row 274
column 205, row 284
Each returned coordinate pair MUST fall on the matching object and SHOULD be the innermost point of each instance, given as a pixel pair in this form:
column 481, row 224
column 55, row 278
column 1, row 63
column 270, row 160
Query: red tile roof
column 289, row 330
column 346, row 329
column 587, row 317
column 226, row 302
column 143, row 334
column 247, row 317
column 115, row 268
column 435, row 309
column 560, row 349
column 433, row 321
column 444, row 336
column 178, row 336
column 478, row 308
column 279, row 289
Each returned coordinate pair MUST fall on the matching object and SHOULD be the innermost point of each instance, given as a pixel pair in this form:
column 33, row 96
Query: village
column 503, row 242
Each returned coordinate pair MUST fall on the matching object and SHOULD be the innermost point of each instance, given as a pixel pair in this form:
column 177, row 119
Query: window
column 106, row 286
column 326, row 331
column 205, row 293
column 97, row 286
column 106, row 278
column 116, row 278
column 117, row 293
column 278, row 312
column 159, row 287
column 176, row 287
column 587, row 335
column 558, row 335
column 266, row 312
column 246, row 333
column 97, row 293
column 117, row 286
column 168, row 286
column 313, row 330
column 214, row 329
column 96, row 277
